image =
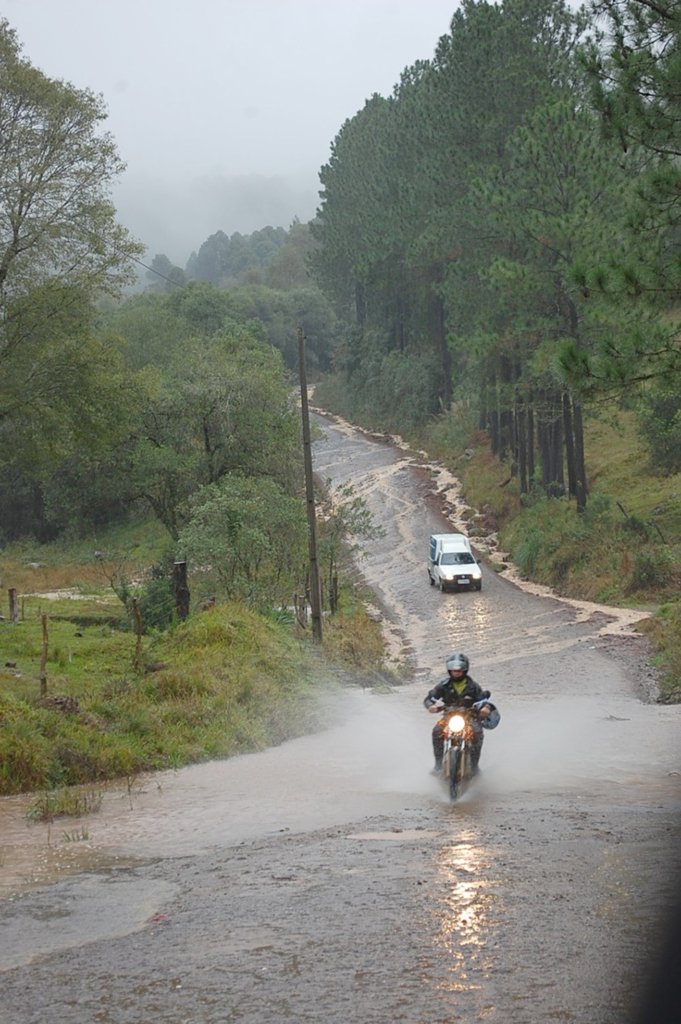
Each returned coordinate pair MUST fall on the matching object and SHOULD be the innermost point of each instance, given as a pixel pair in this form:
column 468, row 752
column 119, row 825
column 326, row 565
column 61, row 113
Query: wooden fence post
column 43, row 660
column 181, row 590
column 138, row 621
column 13, row 605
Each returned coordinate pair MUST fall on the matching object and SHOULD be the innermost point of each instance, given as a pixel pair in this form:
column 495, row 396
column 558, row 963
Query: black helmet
column 457, row 661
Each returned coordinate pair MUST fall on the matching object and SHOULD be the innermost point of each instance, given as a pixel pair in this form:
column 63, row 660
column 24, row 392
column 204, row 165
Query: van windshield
column 457, row 558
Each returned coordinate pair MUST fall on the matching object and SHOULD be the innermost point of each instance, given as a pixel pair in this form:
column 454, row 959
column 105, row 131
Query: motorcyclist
column 459, row 690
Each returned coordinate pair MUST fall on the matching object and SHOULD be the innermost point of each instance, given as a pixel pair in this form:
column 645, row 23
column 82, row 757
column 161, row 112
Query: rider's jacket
column 452, row 695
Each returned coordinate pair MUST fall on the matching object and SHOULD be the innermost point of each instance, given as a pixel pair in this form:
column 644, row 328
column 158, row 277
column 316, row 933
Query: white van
column 451, row 562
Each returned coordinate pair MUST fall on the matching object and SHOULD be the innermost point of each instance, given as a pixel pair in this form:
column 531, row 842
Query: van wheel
column 432, row 581
column 479, row 586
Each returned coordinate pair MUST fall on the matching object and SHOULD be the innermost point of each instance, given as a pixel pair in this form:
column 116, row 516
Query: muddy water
column 329, row 879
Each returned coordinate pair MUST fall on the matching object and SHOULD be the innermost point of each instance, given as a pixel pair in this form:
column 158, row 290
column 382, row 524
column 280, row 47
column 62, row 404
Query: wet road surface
column 330, row 880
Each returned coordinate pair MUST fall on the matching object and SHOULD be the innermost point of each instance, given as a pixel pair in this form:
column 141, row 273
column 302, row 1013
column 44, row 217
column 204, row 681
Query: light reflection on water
column 472, row 619
column 463, row 928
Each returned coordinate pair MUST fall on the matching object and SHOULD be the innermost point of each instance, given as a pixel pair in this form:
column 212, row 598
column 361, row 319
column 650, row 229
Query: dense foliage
column 496, row 245
column 502, row 231
column 157, row 405
column 60, row 248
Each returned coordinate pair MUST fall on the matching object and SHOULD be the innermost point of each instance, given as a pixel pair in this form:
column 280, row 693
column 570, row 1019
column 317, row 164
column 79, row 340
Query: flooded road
column 329, row 879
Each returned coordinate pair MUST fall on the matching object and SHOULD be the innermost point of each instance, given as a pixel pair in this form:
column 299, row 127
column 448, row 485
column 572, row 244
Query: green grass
column 231, row 681
column 69, row 564
column 665, row 631
column 226, row 681
column 618, row 465
column 65, row 803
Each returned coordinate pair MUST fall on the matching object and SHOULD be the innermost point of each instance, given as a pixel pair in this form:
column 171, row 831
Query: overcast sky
column 224, row 110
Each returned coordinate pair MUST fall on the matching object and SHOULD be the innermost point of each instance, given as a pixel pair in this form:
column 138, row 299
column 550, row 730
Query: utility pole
column 315, row 592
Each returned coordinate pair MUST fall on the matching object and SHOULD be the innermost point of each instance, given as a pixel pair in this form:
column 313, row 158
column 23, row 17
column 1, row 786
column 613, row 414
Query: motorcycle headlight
column 456, row 723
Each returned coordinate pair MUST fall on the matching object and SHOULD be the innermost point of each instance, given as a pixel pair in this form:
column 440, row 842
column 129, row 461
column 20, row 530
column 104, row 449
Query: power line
column 107, row 241
column 158, row 272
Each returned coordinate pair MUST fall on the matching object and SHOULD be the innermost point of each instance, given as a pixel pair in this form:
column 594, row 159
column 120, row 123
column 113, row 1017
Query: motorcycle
column 460, row 729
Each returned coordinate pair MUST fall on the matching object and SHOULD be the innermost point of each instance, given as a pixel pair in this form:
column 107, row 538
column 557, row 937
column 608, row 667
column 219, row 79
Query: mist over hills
column 175, row 217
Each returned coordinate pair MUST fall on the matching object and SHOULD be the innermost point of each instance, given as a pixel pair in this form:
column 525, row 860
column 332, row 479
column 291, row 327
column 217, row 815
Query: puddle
column 97, row 906
column 406, row 836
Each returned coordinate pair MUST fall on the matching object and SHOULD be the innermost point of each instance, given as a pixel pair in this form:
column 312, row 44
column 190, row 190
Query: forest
column 503, row 231
column 493, row 272
column 117, row 405
column 496, row 245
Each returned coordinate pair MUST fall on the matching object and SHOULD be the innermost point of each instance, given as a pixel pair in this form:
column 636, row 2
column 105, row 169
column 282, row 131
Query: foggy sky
column 224, row 110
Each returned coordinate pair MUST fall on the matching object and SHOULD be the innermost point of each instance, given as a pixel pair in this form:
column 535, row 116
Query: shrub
column 598, row 511
column 156, row 600
column 637, row 526
column 451, row 431
column 528, row 552
column 652, row 568
column 660, row 420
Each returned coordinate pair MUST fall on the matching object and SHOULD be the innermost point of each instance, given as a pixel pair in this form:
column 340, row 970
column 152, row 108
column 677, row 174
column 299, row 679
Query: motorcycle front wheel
column 454, row 773
column 459, row 765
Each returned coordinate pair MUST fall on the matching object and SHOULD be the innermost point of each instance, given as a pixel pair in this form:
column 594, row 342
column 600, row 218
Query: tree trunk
column 521, row 428
column 569, row 445
column 400, row 328
column 445, row 354
column 557, row 475
column 581, row 489
column 483, row 422
column 506, row 399
column 494, row 430
column 438, row 326
column 505, row 433
column 530, row 443
column 550, row 429
column 544, row 451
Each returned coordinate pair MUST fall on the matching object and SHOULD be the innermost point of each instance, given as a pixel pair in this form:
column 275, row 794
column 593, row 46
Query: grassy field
column 73, row 565
column 226, row 681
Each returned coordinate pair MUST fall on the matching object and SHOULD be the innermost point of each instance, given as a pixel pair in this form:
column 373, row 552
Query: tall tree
column 60, row 249
column 400, row 233
column 223, row 406
column 164, row 276
column 635, row 75
column 57, row 223
column 560, row 206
